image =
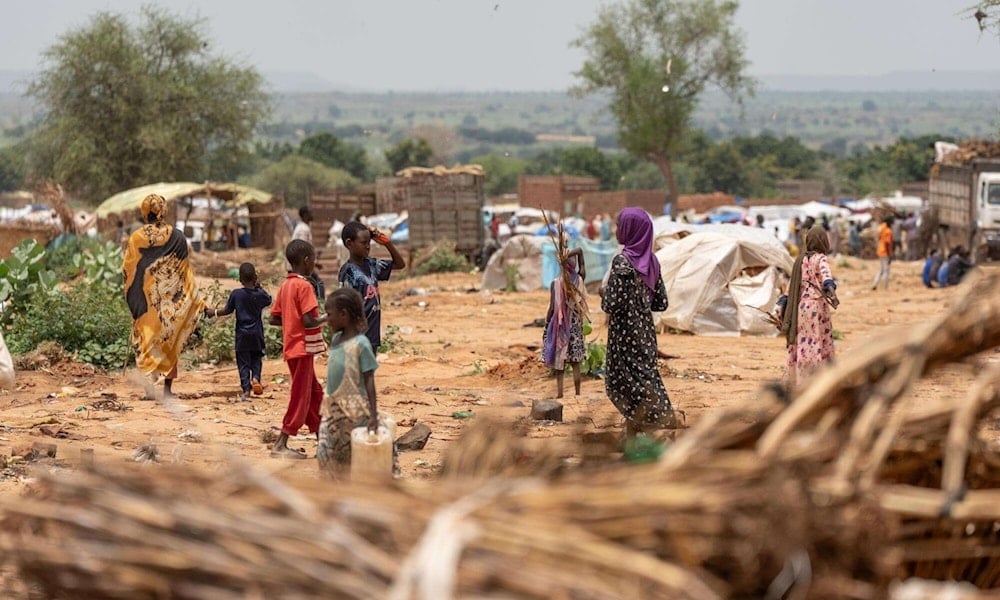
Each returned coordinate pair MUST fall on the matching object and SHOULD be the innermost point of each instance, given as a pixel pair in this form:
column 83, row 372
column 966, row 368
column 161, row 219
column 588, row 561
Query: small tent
column 717, row 284
column 532, row 260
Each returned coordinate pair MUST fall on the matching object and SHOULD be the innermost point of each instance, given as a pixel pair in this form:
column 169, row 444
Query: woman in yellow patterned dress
column 161, row 293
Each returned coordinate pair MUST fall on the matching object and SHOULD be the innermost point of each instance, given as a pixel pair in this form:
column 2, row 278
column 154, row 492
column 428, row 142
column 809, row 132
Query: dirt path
column 453, row 349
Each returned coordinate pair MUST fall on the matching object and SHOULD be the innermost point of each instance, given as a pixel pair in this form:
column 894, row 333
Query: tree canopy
column 655, row 58
column 409, row 153
column 295, row 175
column 327, row 149
column 126, row 105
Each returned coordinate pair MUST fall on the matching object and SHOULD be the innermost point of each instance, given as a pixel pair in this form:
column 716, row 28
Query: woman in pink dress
column 805, row 321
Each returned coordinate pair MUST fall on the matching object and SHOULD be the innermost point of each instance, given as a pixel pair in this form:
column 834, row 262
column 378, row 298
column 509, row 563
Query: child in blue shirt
column 362, row 273
column 247, row 302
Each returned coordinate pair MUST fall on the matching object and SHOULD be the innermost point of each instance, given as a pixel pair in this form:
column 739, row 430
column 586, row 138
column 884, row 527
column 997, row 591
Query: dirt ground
column 454, row 348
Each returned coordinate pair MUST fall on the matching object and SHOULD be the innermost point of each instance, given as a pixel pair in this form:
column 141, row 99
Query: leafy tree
column 591, row 161
column 655, row 58
column 128, row 105
column 325, row 148
column 502, row 173
column 296, row 175
column 11, row 168
column 644, row 175
column 409, row 153
column 721, row 169
column 441, row 139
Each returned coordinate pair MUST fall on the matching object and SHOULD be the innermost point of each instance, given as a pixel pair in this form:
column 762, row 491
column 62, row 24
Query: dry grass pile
column 970, row 150
column 844, row 490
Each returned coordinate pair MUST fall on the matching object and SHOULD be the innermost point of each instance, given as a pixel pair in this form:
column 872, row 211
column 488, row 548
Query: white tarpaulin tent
column 714, row 279
column 899, row 201
column 533, row 258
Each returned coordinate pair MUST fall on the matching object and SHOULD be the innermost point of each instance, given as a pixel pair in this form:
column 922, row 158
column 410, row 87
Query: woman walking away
column 634, row 290
column 805, row 318
column 160, row 292
column 562, row 342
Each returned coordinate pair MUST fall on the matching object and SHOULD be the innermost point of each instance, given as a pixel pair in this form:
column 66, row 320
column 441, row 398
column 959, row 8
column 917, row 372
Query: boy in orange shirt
column 296, row 311
column 884, row 251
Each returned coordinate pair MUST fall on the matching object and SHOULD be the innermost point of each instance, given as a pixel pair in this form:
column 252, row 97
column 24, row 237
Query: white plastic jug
column 371, row 454
column 387, row 419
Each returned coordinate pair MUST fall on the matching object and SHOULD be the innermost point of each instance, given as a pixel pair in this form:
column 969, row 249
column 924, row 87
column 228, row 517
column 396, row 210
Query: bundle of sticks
column 837, row 494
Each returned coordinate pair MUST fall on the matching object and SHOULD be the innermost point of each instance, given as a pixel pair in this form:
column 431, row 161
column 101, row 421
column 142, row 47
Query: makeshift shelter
column 533, row 259
column 263, row 208
column 717, row 283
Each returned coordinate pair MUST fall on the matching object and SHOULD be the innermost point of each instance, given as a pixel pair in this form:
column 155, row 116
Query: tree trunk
column 666, row 167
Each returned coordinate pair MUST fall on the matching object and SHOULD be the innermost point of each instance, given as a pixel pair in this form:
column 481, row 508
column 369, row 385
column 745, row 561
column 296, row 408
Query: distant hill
column 13, row 82
column 898, row 81
column 290, row 82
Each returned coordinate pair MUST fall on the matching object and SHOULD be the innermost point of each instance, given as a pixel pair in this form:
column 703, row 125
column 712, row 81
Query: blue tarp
column 597, row 257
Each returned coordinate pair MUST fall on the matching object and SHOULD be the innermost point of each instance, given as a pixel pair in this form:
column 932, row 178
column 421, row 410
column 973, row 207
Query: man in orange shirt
column 884, row 251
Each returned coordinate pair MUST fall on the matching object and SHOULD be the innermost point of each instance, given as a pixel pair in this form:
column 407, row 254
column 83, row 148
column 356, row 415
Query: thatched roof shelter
column 233, row 194
column 264, row 208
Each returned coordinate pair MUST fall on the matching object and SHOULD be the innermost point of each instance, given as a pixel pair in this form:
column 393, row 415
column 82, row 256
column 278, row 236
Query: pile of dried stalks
column 970, row 150
column 835, row 495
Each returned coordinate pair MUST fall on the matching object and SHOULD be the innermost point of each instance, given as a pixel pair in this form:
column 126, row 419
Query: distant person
column 606, row 227
column 495, row 227
column 805, row 311
column 350, row 400
column 954, row 269
column 932, row 266
column 247, row 302
column 884, row 250
column 833, row 232
column 303, row 231
column 296, row 311
column 156, row 259
column 854, row 238
column 362, row 273
column 911, row 230
column 897, row 235
column 244, row 237
column 635, row 289
column 760, row 221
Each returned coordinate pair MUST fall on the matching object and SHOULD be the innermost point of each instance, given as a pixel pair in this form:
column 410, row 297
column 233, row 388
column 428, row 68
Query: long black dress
column 633, row 384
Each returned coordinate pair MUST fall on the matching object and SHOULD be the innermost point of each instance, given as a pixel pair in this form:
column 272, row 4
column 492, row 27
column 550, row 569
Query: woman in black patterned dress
column 634, row 289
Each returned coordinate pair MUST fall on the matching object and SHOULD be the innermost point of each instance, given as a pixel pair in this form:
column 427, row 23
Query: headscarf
column 816, row 241
column 155, row 205
column 635, row 233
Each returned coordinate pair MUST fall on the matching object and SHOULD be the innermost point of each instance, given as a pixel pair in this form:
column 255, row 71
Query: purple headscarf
column 635, row 232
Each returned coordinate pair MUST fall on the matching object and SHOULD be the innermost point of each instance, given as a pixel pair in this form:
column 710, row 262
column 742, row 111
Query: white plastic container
column 387, row 419
column 371, row 454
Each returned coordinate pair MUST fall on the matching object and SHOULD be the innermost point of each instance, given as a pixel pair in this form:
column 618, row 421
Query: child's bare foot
column 258, row 389
column 287, row 453
column 281, row 449
column 244, row 397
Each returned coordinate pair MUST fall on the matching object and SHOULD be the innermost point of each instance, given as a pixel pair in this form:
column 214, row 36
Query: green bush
column 91, row 321
column 63, row 260
column 593, row 364
column 444, row 259
column 23, row 277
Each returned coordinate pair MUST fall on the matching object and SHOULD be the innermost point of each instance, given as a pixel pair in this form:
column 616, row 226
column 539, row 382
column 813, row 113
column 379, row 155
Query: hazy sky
column 437, row 45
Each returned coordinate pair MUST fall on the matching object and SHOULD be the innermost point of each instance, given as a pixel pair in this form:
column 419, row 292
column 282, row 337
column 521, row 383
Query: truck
column 443, row 204
column 966, row 197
